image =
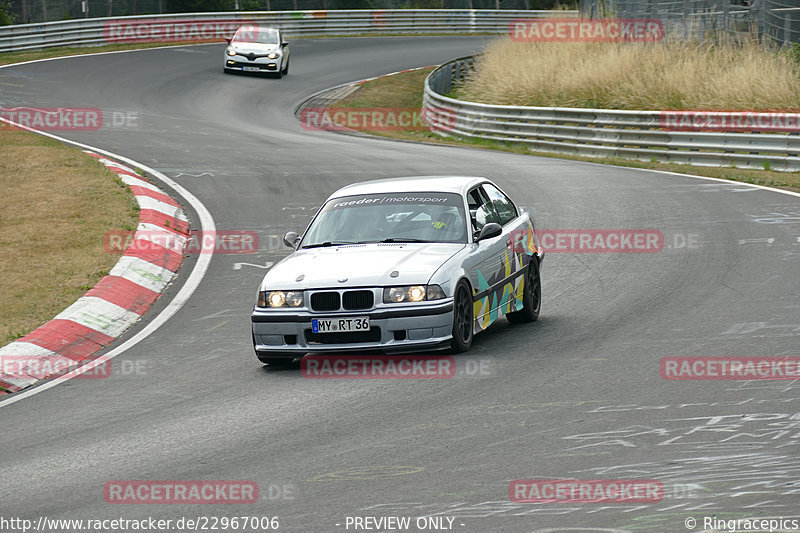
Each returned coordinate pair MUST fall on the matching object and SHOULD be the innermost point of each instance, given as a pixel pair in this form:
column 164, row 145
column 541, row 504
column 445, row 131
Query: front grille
column 325, row 301
column 262, row 66
column 345, row 337
column 358, row 300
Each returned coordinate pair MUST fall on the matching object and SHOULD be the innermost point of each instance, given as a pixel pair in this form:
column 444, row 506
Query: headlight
column 280, row 299
column 274, row 55
column 230, row 52
column 412, row 293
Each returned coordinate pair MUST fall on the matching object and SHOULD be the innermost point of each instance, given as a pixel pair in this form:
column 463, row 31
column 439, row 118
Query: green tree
column 6, row 18
column 196, row 6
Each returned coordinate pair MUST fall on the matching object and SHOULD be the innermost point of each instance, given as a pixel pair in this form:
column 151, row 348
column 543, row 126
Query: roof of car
column 455, row 184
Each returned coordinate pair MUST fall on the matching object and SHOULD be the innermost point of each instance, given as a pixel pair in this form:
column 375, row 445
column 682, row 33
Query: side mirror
column 490, row 230
column 290, row 239
column 284, row 44
column 228, row 40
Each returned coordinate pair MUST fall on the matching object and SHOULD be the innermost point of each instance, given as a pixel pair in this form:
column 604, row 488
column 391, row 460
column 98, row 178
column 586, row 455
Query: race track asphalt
column 576, row 395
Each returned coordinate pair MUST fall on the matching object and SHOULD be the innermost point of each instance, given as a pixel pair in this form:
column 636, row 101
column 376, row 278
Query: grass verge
column 404, row 91
column 18, row 57
column 57, row 204
column 642, row 76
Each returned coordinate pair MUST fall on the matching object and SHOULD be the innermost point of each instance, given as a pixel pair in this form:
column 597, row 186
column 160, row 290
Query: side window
column 505, row 207
column 481, row 211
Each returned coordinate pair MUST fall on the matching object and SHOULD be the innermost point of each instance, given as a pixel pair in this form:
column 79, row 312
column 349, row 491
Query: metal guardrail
column 636, row 135
column 198, row 26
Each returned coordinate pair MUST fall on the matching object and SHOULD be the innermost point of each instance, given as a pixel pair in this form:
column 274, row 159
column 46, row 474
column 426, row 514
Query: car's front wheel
column 285, row 70
column 531, row 296
column 462, row 318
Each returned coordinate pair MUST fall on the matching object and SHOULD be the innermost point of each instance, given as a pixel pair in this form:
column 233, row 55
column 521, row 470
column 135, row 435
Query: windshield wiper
column 404, row 239
column 328, row 243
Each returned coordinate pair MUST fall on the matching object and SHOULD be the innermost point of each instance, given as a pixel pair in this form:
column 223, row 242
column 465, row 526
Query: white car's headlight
column 280, row 299
column 274, row 55
column 230, row 52
column 412, row 293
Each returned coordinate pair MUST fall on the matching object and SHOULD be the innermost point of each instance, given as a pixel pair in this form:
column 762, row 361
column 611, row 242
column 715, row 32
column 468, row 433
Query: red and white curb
column 96, row 319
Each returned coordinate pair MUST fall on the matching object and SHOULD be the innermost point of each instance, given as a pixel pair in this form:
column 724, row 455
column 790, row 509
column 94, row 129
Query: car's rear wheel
column 531, row 296
column 462, row 318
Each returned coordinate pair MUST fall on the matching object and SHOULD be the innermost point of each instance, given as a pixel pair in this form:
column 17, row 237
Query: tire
column 531, row 296
column 463, row 320
column 278, row 74
column 285, row 70
column 225, row 71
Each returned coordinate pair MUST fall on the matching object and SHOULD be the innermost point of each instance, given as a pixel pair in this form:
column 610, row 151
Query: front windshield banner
column 386, row 217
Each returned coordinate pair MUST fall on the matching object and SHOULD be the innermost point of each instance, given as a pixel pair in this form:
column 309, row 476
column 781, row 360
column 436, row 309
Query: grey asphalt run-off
column 577, row 394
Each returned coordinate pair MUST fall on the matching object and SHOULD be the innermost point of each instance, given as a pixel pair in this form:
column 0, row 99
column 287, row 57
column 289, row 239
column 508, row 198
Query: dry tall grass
column 667, row 75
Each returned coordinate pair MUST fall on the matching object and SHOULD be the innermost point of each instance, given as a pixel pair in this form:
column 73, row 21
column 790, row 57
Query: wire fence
column 775, row 21
column 35, row 11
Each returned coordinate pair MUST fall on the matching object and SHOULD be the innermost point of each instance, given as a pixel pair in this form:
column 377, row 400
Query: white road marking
column 192, row 281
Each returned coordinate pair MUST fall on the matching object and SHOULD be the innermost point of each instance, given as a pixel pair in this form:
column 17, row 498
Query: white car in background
column 257, row 49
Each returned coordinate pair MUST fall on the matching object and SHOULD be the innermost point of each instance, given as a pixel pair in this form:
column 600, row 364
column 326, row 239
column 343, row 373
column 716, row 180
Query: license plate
column 336, row 325
column 251, row 69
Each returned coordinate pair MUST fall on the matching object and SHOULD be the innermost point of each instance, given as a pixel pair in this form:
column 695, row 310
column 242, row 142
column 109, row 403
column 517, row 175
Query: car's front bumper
column 393, row 329
column 262, row 64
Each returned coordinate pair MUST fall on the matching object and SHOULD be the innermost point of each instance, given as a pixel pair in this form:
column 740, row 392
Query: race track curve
column 577, row 394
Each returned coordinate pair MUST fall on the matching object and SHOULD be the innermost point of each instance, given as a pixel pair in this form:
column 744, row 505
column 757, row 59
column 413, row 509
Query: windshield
column 256, row 34
column 395, row 217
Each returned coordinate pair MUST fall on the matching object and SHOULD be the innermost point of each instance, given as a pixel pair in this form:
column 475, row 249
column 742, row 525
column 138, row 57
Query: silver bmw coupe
column 400, row 265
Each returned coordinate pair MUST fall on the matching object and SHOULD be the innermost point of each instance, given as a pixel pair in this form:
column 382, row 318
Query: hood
column 361, row 264
column 256, row 48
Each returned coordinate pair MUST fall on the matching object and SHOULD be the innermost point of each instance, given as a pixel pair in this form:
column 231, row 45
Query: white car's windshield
column 256, row 34
column 394, row 217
